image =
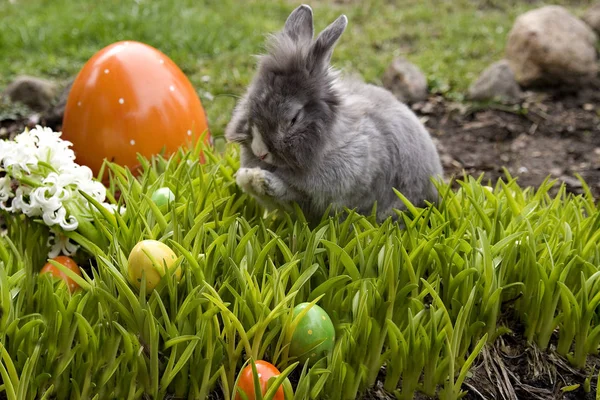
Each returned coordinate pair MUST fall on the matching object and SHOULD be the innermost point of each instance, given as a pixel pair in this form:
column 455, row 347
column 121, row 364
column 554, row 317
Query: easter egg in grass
column 265, row 371
column 130, row 98
column 152, row 258
column 314, row 335
column 162, row 196
column 68, row 262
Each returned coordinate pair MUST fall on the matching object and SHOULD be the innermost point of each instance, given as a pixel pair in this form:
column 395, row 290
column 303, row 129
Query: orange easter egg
column 265, row 372
column 68, row 262
column 131, row 98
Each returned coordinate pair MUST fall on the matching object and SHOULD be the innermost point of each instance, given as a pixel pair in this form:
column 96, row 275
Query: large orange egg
column 130, row 98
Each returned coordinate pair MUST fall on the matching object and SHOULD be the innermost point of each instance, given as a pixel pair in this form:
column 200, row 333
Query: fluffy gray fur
column 308, row 136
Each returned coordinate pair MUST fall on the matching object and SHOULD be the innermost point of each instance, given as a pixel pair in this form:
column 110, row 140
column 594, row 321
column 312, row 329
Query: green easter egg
column 163, row 196
column 314, row 336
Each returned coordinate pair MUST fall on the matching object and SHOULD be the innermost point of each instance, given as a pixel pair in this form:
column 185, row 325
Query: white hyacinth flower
column 5, row 189
column 21, row 202
column 52, row 149
column 114, row 208
column 18, row 156
column 49, row 183
column 59, row 217
column 60, row 244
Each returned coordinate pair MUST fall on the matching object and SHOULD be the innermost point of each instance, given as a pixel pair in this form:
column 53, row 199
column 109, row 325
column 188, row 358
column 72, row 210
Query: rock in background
column 497, row 82
column 406, row 81
column 34, row 100
column 592, row 17
column 37, row 94
column 54, row 115
column 550, row 46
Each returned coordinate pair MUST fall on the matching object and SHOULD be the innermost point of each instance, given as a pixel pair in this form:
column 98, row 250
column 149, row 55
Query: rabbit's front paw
column 252, row 180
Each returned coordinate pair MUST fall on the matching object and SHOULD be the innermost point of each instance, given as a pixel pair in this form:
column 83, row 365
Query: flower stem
column 28, row 181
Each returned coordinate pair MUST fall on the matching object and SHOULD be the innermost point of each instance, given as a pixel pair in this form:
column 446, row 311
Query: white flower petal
column 58, row 217
column 55, row 246
column 44, row 198
column 60, row 244
column 69, row 224
column 5, row 188
column 70, row 248
column 54, row 217
column 25, row 203
column 10, row 209
column 114, row 208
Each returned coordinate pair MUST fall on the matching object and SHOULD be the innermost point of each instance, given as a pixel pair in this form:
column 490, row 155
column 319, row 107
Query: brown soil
column 511, row 369
column 550, row 134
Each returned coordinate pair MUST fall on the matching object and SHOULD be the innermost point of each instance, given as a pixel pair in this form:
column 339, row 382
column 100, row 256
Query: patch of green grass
column 451, row 41
column 420, row 300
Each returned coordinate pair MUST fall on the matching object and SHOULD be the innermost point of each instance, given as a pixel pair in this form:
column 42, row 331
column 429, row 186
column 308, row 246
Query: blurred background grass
column 214, row 41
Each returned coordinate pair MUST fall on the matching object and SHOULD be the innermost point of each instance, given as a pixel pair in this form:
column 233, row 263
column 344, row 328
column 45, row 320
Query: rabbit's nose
column 263, row 156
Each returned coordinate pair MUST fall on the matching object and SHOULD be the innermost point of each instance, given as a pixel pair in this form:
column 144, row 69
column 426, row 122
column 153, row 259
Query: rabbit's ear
column 299, row 25
column 322, row 49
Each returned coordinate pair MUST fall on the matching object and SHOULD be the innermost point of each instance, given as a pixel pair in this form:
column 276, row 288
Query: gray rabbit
column 310, row 137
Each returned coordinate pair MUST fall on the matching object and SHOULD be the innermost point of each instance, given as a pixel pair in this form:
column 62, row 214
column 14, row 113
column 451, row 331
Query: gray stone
column 496, row 82
column 54, row 115
column 406, row 81
column 550, row 46
column 37, row 94
column 592, row 17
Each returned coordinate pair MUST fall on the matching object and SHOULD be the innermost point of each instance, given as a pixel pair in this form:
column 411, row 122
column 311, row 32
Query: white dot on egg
column 78, row 104
column 260, row 375
column 132, row 142
column 172, row 88
column 106, row 71
column 189, row 132
column 161, row 61
column 121, row 100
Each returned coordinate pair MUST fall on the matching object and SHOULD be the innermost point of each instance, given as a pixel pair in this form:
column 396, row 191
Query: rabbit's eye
column 293, row 121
